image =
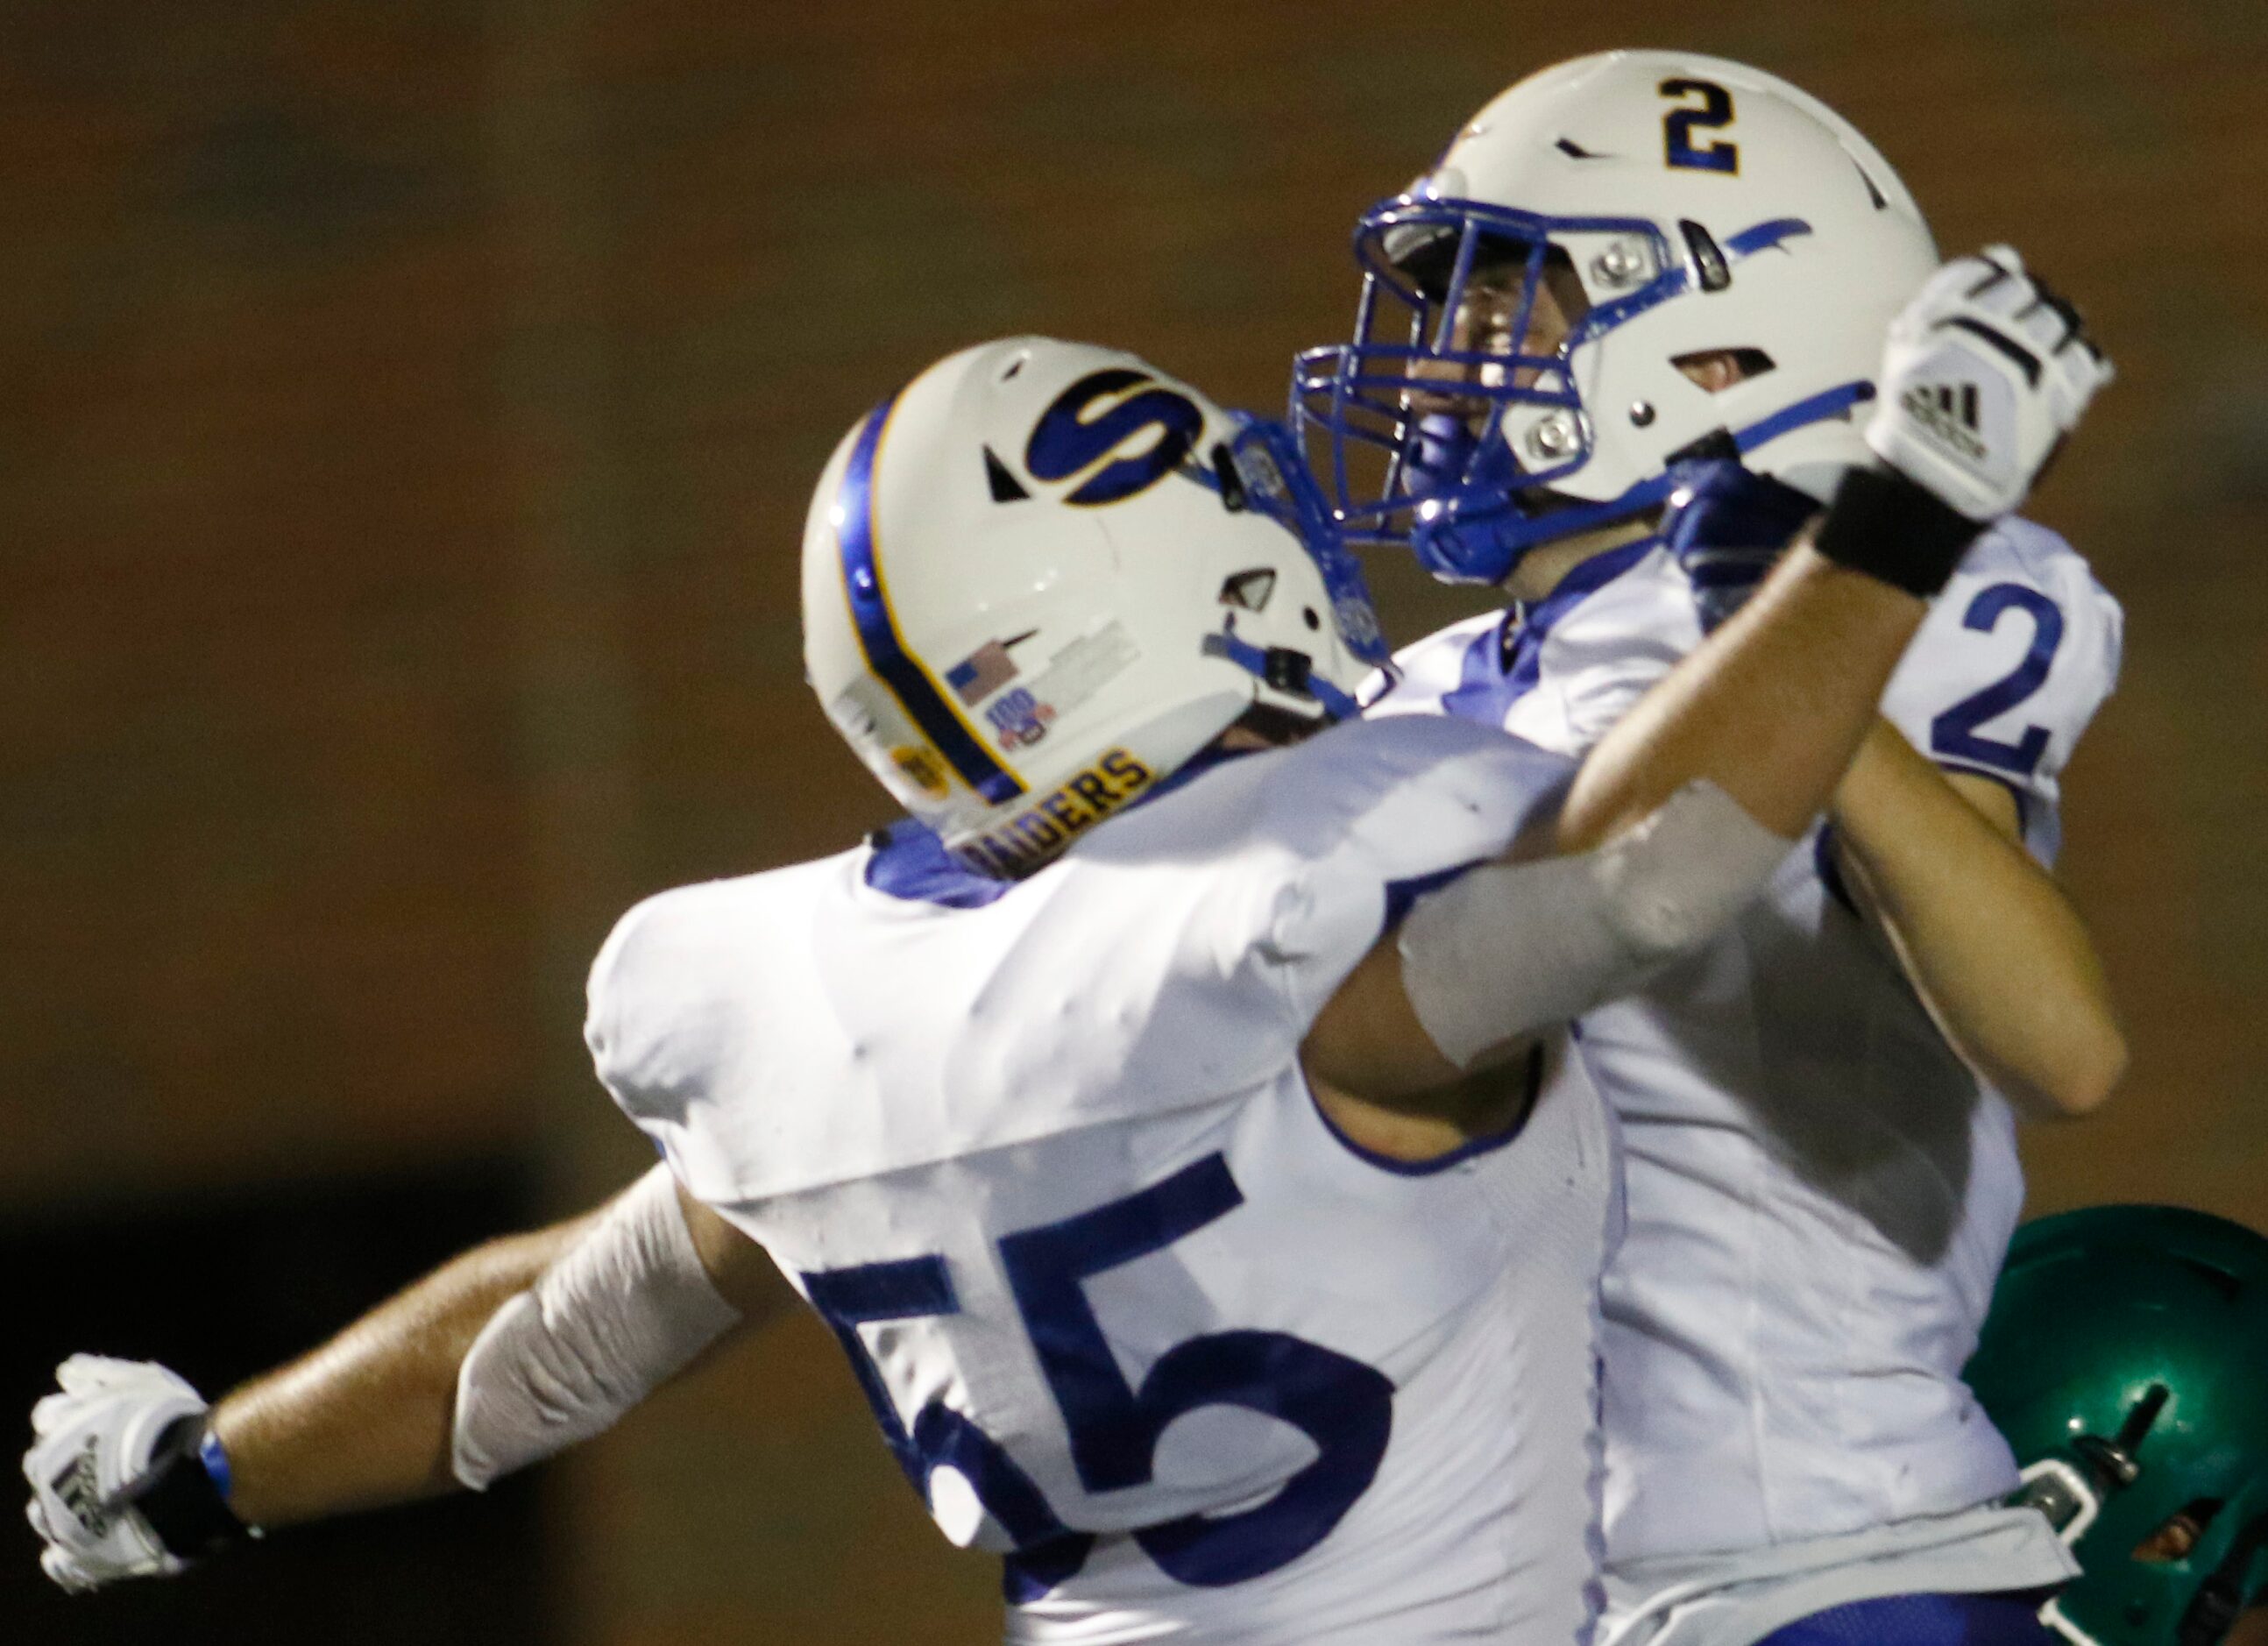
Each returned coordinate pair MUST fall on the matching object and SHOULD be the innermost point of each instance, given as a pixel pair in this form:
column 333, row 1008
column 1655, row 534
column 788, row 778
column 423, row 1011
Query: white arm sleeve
column 1512, row 948
column 623, row 1311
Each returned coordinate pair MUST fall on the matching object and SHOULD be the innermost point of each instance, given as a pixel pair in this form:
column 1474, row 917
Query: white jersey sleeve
column 671, row 1024
column 2008, row 668
column 1391, row 813
column 1219, row 918
column 2011, row 665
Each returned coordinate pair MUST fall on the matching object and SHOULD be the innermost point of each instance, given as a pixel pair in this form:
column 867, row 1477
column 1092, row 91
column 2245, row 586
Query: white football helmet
column 1676, row 207
column 1042, row 576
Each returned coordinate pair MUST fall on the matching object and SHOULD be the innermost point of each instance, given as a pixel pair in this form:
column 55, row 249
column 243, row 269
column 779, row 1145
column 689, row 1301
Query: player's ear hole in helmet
column 2176, row 1535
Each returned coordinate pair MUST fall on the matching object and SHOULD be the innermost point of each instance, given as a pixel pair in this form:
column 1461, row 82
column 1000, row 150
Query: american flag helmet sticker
column 983, row 672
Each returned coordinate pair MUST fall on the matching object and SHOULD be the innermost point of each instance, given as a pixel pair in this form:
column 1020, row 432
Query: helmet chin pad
column 1462, row 541
column 1439, row 451
column 1478, row 514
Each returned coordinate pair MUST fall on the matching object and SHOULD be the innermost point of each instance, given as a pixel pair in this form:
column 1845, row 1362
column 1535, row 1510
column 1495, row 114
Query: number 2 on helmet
column 1679, row 150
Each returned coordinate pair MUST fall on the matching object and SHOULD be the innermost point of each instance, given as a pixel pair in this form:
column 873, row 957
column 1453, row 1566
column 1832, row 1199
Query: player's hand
column 93, row 1450
column 1986, row 371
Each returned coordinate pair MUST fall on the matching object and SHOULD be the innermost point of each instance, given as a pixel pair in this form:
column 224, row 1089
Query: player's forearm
column 365, row 1420
column 1676, row 819
column 1770, row 709
column 1988, row 938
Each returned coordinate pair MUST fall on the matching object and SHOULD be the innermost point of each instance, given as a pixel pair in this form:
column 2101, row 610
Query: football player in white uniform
column 1612, row 351
column 1173, row 1173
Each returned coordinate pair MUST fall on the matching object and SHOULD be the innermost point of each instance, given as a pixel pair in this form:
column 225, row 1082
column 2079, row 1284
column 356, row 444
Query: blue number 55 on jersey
column 1345, row 1407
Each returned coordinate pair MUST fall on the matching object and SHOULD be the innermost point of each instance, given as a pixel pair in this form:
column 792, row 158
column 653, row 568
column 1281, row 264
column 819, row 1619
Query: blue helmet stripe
column 1828, row 402
column 1763, row 237
column 886, row 654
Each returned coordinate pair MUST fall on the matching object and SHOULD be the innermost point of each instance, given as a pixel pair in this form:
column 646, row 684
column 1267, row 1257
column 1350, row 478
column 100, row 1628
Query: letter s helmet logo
column 1071, row 436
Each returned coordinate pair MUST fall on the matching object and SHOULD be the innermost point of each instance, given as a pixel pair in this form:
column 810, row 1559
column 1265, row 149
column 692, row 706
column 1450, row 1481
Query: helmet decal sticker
column 1020, row 705
column 1764, row 236
column 885, row 652
column 1034, row 834
column 885, row 738
column 1679, row 150
column 1072, row 436
column 986, row 669
column 1079, row 670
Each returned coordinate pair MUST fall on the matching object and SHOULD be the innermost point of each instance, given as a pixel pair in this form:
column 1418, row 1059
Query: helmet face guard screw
column 2114, row 1464
column 2059, row 1499
column 1553, row 438
column 1625, row 264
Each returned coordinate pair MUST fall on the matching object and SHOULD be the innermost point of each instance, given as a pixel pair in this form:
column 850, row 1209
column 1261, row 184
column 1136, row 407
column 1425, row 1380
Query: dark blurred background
column 407, row 409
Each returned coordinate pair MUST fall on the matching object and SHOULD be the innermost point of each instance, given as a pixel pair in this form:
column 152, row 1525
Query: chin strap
column 1282, row 669
column 1487, row 547
column 1478, row 534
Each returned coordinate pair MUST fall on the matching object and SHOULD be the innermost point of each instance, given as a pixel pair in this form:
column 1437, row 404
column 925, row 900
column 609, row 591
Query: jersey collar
column 1505, row 660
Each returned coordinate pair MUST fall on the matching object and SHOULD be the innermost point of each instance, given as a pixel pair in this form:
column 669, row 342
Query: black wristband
column 1890, row 528
column 182, row 1502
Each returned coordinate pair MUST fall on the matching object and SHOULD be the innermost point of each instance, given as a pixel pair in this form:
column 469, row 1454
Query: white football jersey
column 1128, row 1308
column 1820, row 1190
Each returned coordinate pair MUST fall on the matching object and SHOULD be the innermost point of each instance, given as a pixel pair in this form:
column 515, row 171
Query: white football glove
column 91, row 1456
column 1986, row 371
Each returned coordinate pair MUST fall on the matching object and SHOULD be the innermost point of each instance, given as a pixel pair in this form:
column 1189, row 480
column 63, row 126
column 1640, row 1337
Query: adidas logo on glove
column 79, row 1488
column 1949, row 412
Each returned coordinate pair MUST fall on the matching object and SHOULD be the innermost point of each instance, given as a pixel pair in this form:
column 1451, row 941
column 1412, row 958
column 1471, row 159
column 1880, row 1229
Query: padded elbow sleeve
column 1513, row 948
column 620, row 1312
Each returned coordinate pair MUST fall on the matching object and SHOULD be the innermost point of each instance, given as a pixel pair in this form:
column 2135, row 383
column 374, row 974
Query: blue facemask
column 1448, row 485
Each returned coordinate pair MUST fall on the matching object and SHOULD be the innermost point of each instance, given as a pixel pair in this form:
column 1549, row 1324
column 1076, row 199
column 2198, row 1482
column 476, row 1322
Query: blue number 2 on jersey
column 1954, row 733
column 1345, row 1407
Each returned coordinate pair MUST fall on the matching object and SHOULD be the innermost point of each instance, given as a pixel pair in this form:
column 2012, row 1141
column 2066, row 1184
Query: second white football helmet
column 1676, row 209
column 1042, row 576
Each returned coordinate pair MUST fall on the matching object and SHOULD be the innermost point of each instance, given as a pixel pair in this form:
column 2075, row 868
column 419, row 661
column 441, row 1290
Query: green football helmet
column 2126, row 1360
